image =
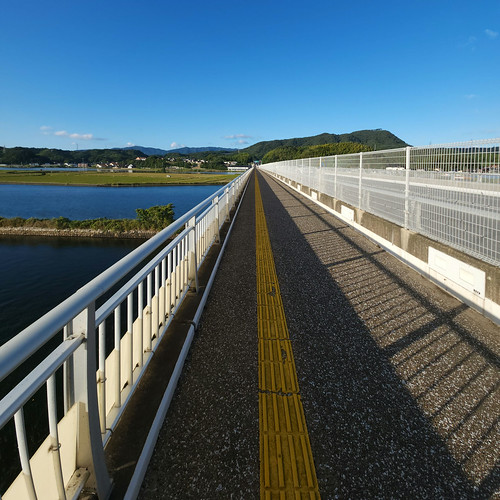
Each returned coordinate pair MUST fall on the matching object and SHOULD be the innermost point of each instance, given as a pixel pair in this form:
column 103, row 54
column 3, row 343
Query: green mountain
column 145, row 150
column 183, row 151
column 207, row 149
column 377, row 139
column 40, row 156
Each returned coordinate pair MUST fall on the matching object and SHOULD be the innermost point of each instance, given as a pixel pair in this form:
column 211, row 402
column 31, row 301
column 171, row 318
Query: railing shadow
column 433, row 363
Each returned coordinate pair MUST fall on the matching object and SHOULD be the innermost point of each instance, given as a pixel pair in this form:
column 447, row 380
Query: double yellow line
column 286, row 461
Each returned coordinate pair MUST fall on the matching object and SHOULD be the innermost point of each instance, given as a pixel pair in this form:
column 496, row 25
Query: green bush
column 154, row 218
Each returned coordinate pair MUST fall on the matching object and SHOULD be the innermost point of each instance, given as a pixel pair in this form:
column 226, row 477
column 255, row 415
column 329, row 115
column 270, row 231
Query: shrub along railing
column 96, row 358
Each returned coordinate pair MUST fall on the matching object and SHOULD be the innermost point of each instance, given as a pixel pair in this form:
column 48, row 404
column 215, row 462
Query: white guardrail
column 98, row 356
column 449, row 193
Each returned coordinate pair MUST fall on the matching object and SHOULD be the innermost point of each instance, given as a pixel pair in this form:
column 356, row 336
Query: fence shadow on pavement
column 431, row 360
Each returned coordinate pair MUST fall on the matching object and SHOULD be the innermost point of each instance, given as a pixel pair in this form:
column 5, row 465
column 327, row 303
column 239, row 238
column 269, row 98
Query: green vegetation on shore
column 204, row 158
column 376, row 139
column 297, row 152
column 148, row 219
column 111, row 178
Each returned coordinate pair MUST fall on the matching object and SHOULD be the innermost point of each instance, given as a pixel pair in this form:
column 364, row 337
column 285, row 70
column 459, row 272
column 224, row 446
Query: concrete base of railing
column 474, row 282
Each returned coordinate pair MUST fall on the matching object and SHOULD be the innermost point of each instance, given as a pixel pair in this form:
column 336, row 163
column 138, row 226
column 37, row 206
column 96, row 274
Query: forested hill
column 40, row 156
column 377, row 139
column 370, row 140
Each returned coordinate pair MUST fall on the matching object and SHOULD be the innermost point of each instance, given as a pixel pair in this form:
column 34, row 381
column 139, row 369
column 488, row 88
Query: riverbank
column 112, row 179
column 148, row 222
column 76, row 233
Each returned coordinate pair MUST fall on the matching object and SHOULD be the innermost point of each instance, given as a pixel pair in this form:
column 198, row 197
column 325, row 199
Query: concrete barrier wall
column 471, row 280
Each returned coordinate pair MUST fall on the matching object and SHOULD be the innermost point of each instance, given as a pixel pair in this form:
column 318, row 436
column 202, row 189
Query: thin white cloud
column 242, row 141
column 84, row 137
column 79, row 137
column 470, row 96
column 470, row 43
column 129, row 144
column 176, row 145
column 238, row 136
column 491, row 34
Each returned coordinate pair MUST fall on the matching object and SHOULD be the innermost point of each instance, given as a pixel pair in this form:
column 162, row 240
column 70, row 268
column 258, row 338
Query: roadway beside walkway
column 399, row 382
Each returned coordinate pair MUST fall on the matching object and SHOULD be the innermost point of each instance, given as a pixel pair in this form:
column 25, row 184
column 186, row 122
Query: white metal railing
column 449, row 193
column 98, row 356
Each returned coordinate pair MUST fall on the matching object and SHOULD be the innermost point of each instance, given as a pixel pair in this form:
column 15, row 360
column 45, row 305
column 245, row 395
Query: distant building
column 237, row 169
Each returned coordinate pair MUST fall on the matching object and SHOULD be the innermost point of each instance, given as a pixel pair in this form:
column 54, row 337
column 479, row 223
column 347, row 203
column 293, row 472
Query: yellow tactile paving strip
column 286, row 461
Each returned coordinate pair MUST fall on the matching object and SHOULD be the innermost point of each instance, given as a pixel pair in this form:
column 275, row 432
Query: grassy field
column 111, row 178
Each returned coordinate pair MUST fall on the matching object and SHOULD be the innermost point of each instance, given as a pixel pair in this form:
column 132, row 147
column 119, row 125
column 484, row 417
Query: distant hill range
column 182, row 151
column 377, row 139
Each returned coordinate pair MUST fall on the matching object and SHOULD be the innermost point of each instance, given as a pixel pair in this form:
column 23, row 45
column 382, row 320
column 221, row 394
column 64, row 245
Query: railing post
column 149, row 312
column 335, row 180
column 407, row 187
column 140, row 321
column 215, row 201
column 89, row 449
column 193, row 258
column 319, row 177
column 226, row 193
column 360, row 187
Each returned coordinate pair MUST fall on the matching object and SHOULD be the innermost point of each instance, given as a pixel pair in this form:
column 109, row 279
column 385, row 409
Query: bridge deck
column 398, row 381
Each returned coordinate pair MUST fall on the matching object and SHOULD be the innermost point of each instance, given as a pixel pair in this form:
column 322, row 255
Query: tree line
column 148, row 219
column 40, row 156
column 296, row 152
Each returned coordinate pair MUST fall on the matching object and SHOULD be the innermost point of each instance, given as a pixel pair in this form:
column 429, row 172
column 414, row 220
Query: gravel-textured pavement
column 399, row 381
column 209, row 444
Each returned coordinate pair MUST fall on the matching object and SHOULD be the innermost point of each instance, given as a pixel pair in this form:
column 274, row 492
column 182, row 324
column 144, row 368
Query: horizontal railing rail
column 449, row 193
column 97, row 357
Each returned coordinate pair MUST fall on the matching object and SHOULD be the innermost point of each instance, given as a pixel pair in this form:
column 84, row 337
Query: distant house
column 237, row 169
column 83, row 165
column 140, row 158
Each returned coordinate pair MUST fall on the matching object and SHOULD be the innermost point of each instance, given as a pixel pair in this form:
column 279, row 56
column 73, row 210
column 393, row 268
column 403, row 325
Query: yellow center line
column 286, row 461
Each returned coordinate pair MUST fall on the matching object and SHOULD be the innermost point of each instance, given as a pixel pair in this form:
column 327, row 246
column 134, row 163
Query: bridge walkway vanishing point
column 399, row 382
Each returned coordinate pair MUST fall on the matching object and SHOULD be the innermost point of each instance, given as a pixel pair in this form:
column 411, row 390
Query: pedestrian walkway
column 286, row 462
column 398, row 382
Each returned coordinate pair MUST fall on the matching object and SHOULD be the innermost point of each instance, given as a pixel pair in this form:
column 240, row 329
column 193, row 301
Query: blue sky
column 99, row 74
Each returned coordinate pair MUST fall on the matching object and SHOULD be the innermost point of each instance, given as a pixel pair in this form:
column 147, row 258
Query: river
column 88, row 202
column 38, row 273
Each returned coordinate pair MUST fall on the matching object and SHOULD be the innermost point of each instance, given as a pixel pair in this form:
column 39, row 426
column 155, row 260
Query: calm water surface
column 82, row 202
column 36, row 274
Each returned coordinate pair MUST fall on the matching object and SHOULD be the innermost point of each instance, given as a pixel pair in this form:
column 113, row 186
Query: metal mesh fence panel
column 455, row 196
column 348, row 175
column 384, row 184
column 449, row 193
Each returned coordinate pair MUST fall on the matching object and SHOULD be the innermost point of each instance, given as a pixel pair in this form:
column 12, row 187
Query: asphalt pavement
column 399, row 382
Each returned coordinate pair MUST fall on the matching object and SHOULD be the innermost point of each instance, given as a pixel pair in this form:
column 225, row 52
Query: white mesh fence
column 450, row 193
